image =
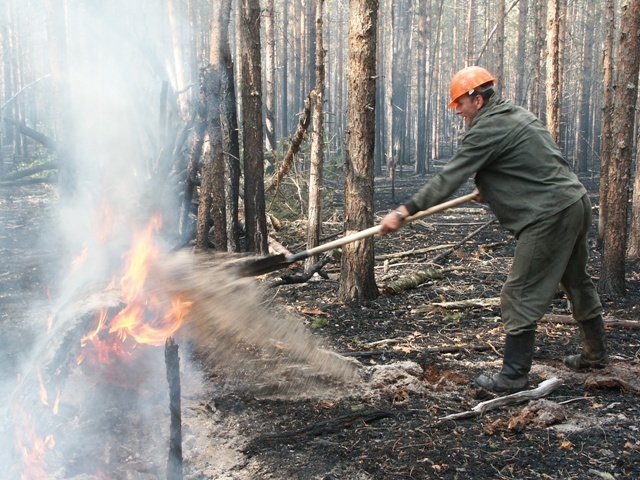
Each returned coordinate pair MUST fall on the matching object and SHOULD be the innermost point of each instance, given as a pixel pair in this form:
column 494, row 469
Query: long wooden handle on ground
column 276, row 262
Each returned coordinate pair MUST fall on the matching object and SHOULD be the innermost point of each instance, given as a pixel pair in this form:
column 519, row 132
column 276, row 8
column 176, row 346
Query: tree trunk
column 606, row 150
column 583, row 127
column 314, row 225
column 212, row 203
column 499, row 73
column 269, row 77
column 633, row 250
column 177, row 43
column 64, row 124
column 554, row 80
column 612, row 280
column 536, row 82
column 470, row 56
column 400, row 86
column 522, row 76
column 388, row 55
column 229, row 130
column 284, row 67
column 357, row 279
column 420, row 167
column 254, row 202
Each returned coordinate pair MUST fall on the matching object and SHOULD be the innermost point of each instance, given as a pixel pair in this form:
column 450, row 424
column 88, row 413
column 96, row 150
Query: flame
column 32, row 449
column 42, row 390
column 146, row 318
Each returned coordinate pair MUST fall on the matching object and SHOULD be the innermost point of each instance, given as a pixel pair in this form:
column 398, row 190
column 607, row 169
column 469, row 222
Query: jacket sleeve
column 475, row 151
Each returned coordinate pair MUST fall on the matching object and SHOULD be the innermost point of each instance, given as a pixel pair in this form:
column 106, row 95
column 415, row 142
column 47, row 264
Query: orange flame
column 32, row 449
column 145, row 318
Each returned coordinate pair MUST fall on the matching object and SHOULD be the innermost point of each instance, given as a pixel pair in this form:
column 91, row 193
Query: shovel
column 277, row 262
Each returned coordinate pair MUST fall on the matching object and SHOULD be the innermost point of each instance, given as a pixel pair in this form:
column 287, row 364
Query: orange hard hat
column 466, row 80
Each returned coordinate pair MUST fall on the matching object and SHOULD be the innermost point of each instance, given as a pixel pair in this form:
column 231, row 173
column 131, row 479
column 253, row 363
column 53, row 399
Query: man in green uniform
column 521, row 174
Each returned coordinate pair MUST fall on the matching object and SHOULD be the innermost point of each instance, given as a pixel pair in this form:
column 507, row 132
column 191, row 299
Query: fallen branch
column 608, row 322
column 542, row 390
column 304, row 277
column 413, row 251
column 463, row 241
column 323, row 428
column 470, row 303
column 41, row 138
column 458, row 348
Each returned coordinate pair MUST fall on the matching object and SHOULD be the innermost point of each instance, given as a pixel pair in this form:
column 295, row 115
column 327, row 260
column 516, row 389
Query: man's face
column 468, row 107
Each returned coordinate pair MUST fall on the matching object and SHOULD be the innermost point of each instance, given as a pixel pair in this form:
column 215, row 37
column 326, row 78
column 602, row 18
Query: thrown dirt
column 414, row 355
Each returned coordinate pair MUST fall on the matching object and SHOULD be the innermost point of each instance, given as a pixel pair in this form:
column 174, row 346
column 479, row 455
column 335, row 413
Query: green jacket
column 518, row 168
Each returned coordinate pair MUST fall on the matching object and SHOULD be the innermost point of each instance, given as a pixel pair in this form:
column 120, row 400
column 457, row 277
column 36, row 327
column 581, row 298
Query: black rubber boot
column 594, row 346
column 514, row 376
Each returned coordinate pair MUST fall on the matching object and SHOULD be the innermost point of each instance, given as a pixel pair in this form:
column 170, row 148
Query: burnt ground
column 587, row 428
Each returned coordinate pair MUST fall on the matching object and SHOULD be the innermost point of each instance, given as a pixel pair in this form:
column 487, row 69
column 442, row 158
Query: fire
column 32, row 449
column 146, row 318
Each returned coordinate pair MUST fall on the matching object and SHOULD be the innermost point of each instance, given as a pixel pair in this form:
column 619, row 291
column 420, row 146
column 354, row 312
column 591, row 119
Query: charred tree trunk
column 172, row 361
column 229, row 127
column 606, row 150
column 612, row 279
column 252, row 136
column 212, row 188
column 357, row 280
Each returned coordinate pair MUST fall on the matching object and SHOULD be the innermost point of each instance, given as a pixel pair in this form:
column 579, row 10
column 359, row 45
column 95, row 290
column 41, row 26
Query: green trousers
column 548, row 253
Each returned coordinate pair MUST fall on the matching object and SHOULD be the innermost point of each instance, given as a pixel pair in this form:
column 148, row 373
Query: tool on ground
column 277, row 262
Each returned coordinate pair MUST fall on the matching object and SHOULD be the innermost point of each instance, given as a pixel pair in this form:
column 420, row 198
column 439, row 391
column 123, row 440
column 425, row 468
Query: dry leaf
column 566, row 445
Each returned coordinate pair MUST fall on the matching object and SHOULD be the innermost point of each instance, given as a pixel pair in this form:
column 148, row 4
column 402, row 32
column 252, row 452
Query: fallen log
column 27, row 172
column 414, row 280
column 25, row 181
column 542, row 390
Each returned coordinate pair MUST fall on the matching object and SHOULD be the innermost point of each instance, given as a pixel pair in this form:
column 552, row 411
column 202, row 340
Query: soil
column 418, row 354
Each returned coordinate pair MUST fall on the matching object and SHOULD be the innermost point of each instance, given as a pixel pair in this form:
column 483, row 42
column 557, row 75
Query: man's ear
column 479, row 101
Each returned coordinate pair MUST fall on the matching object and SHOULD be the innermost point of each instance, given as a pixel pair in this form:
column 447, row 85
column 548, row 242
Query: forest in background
column 115, row 94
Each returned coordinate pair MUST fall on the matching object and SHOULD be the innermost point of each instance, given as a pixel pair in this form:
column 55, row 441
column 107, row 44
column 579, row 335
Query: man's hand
column 479, row 198
column 393, row 220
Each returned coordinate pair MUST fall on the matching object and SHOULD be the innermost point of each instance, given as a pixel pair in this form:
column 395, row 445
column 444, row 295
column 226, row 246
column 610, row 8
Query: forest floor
column 418, row 351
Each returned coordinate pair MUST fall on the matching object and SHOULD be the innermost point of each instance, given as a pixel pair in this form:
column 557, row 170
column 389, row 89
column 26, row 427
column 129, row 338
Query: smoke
column 61, row 419
column 64, row 419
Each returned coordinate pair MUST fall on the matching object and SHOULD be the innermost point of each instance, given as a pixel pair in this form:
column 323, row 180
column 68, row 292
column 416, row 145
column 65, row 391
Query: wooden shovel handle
column 369, row 232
